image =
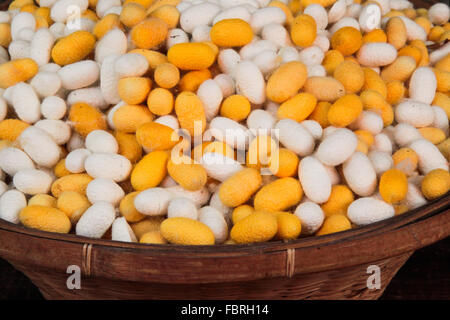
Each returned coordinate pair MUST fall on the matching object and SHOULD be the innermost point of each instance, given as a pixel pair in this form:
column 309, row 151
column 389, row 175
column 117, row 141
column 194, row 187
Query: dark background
column 426, row 275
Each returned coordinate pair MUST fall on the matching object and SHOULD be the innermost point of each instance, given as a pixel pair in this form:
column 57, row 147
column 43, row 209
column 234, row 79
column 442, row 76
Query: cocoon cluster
column 202, row 122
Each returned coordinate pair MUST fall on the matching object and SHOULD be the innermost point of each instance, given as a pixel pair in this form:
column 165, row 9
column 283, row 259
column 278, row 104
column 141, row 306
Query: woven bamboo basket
column 327, row 267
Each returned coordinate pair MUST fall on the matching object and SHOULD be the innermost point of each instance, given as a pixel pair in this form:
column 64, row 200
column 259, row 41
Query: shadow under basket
column 326, row 267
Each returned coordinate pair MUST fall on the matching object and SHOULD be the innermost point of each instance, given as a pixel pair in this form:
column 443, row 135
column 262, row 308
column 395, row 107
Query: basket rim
column 432, row 208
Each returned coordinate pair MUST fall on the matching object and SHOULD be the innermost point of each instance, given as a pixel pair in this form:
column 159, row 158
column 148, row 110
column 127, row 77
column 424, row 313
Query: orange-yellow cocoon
column 149, row 33
column 351, row 75
column 45, row 219
column 257, row 227
column 396, row 32
column 436, row 183
column 393, row 186
column 297, row 108
column 340, row 198
column 73, row 47
column 190, row 112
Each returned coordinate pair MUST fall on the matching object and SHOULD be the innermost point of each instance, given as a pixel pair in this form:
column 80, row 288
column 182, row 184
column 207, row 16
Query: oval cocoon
column 13, row 160
column 191, row 176
column 345, row 110
column 121, row 231
column 74, row 162
column 381, row 161
column 153, row 201
column 218, row 166
column 108, row 165
column 360, row 174
column 285, row 82
column 45, row 219
column 337, row 147
column 198, row 14
column 71, row 182
column 257, row 227
column 250, row 82
column 211, row 96
column 105, row 190
column 11, row 203
column 295, row 137
column 324, row 88
column 156, row 136
column 32, row 181
column 260, row 119
column 191, row 56
column 238, row 189
column 40, row 146
column 229, row 131
column 59, row 130
column 297, row 108
column 376, row 54
column 405, row 133
column 185, row 231
column 314, row 179
column 26, row 102
column 311, row 217
column 199, row 197
column 150, row 170
column 79, row 74
column 422, row 86
column 191, row 113
column 215, row 221
column 430, row 157
column 182, row 207
column 393, row 186
column 278, row 195
column 101, row 141
column 96, row 220
column 415, row 113
column 231, row 33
